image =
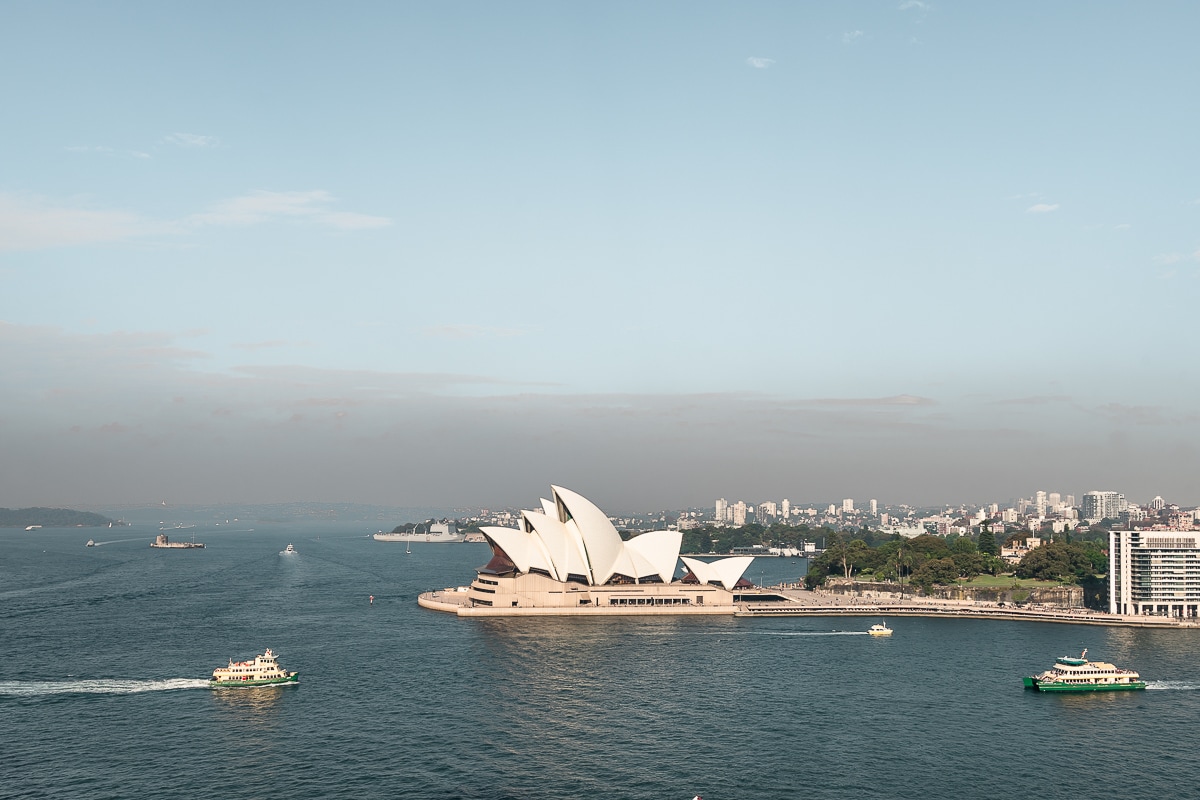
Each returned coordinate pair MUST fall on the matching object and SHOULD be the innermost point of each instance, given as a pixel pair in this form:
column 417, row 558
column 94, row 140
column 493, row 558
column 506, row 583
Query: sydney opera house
column 567, row 558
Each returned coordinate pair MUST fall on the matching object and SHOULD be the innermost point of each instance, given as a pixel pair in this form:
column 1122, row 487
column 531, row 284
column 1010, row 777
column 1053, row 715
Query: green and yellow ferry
column 264, row 670
column 1080, row 675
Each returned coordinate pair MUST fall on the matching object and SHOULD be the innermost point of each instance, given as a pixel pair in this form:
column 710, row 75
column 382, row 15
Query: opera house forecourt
column 568, row 559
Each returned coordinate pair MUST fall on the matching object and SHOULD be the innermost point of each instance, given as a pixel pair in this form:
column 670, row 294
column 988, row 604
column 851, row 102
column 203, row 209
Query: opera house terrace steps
column 455, row 601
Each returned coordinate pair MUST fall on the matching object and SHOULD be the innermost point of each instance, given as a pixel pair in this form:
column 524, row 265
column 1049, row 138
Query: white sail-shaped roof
column 515, row 543
column 563, row 549
column 601, row 542
column 725, row 571
column 542, row 558
column 660, row 552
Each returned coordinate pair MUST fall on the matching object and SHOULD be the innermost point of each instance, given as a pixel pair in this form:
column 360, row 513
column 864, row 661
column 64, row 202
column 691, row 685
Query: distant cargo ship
column 433, row 532
column 162, row 541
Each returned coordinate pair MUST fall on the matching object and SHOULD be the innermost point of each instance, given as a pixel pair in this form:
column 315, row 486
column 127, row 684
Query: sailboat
column 408, row 548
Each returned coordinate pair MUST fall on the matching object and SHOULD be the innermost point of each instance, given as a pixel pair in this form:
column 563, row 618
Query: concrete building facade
column 1154, row 573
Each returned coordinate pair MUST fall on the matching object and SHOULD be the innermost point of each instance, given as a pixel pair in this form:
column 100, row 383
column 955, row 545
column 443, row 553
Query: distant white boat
column 880, row 629
column 288, row 551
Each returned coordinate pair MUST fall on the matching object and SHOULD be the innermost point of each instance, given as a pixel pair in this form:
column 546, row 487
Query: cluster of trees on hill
column 925, row 561
column 51, row 518
column 928, row 560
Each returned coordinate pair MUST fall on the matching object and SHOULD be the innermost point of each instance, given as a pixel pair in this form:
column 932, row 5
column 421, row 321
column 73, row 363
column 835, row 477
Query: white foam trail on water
column 1176, row 685
column 815, row 633
column 100, row 686
column 119, row 541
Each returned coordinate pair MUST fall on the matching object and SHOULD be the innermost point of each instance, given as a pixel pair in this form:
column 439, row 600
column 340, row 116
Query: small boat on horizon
column 288, row 551
column 880, row 629
column 1071, row 674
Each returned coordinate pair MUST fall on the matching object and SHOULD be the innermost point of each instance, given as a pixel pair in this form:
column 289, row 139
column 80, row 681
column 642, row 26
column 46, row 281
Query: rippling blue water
column 102, row 652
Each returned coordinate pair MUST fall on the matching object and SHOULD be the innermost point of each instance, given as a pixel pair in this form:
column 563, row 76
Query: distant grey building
column 1102, row 505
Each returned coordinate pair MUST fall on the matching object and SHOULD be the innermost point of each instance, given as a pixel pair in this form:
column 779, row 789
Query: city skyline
column 421, row 255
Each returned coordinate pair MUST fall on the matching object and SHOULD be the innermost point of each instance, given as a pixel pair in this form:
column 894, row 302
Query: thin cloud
column 894, row 400
column 1131, row 415
column 34, row 223
column 266, row 345
column 851, row 36
column 105, row 150
column 1042, row 208
column 259, row 207
column 468, row 332
column 760, row 63
column 1174, row 258
column 1035, row 400
column 909, row 5
column 1124, row 226
column 193, row 140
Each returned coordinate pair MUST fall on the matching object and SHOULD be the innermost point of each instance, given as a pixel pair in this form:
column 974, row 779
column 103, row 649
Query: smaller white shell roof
column 725, row 571
column 659, row 550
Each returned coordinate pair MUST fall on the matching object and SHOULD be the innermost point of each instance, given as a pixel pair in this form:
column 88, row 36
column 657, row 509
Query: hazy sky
column 448, row 253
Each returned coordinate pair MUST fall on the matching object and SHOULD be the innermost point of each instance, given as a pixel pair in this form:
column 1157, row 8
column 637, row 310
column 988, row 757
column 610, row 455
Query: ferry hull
column 1036, row 685
column 293, row 678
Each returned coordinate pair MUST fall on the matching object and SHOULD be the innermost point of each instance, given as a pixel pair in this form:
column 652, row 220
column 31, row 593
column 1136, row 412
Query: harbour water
column 104, row 652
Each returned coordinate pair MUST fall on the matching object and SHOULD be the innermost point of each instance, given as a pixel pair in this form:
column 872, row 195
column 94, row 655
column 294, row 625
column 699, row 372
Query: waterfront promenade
column 806, row 603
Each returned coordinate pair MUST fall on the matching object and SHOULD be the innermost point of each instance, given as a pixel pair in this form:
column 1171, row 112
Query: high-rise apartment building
column 785, row 510
column 874, row 507
column 848, row 506
column 1154, row 572
column 722, row 511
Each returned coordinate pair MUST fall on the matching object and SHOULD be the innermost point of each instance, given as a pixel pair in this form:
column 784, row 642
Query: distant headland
column 53, row 518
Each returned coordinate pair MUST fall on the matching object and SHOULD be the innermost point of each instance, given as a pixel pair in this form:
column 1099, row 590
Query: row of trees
column 926, row 561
